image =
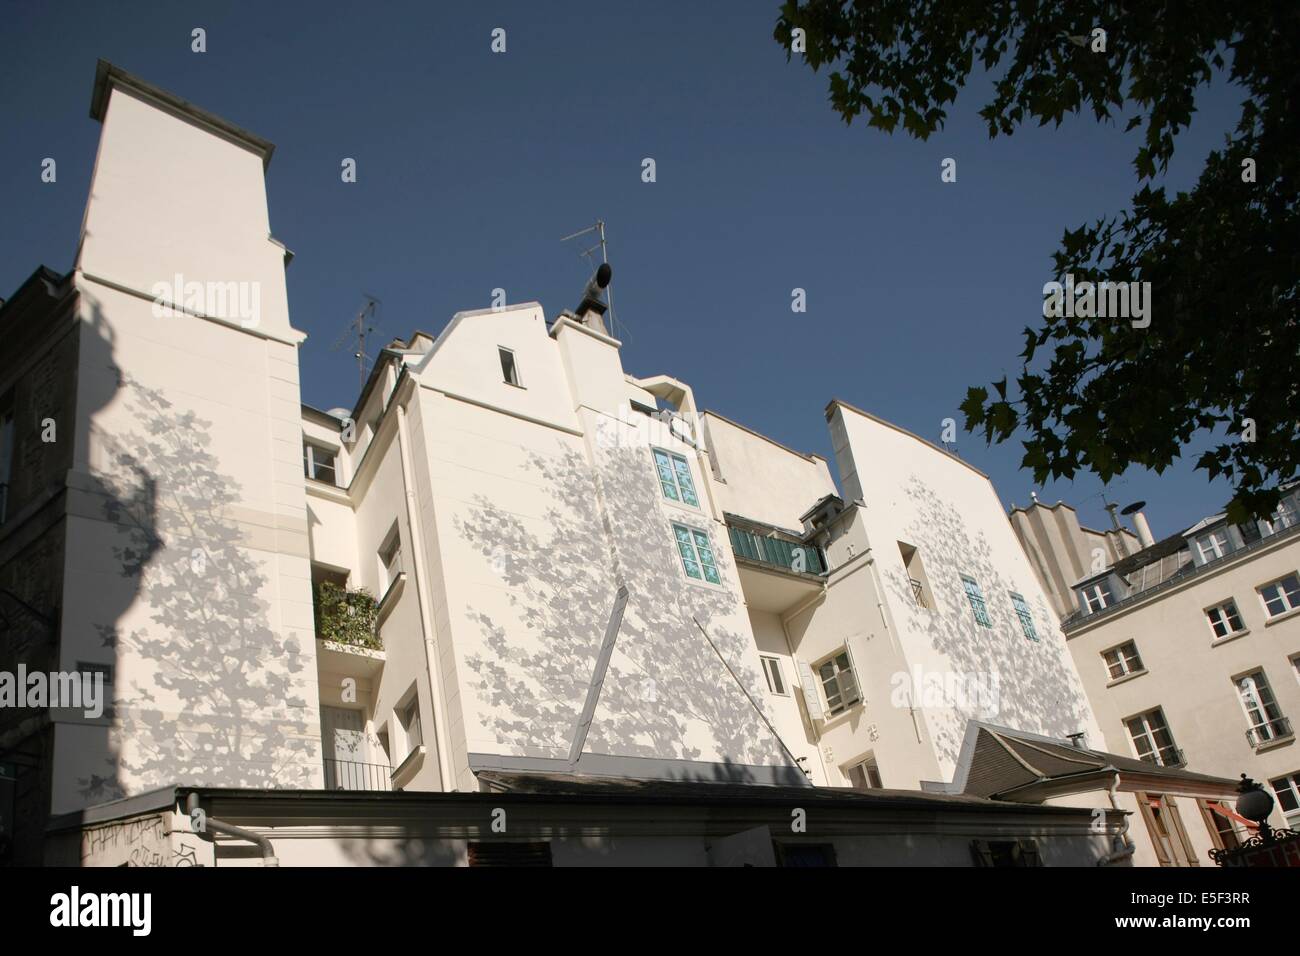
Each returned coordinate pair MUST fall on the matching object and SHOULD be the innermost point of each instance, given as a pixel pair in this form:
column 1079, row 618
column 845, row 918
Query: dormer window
column 1097, row 596
column 1212, row 545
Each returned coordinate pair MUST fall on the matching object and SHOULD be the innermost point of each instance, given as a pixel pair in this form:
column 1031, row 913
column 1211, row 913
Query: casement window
column 772, row 671
column 1165, row 826
column 976, row 598
column 1281, row 595
column 1213, row 545
column 865, row 775
column 1097, row 596
column 697, row 554
column 915, row 573
column 1224, row 619
column 1152, row 740
column 1026, row 616
column 1223, row 829
column 1288, row 797
column 390, row 558
column 675, row 478
column 509, row 368
column 1260, row 706
column 408, row 718
column 1285, row 517
column 839, row 683
column 319, row 463
column 1122, row 660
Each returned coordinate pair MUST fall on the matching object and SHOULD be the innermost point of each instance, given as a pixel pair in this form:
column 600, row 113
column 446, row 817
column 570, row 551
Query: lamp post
column 1256, row 803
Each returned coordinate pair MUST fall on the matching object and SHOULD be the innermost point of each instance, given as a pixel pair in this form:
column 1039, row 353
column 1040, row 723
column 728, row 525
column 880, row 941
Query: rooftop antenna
column 599, row 229
column 365, row 324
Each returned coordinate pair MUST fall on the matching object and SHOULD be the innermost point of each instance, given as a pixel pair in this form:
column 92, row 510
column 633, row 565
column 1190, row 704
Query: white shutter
column 812, row 695
column 857, row 678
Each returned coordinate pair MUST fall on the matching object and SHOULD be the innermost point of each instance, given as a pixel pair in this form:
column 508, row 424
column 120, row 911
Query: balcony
column 778, row 569
column 1166, row 757
column 351, row 775
column 1270, row 732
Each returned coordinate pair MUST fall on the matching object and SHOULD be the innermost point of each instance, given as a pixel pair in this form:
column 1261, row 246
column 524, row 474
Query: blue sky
column 472, row 166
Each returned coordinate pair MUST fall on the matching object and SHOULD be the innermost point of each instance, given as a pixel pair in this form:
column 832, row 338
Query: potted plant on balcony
column 347, row 617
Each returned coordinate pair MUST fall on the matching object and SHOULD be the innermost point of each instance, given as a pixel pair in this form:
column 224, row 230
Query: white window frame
column 1149, row 734
column 869, row 768
column 1225, row 619
column 673, row 459
column 775, row 677
column 1213, row 539
column 1129, row 664
column 1259, row 698
column 309, row 449
column 410, row 706
column 389, row 567
column 695, row 534
column 1289, row 603
column 834, row 710
column 1292, row 781
column 1099, row 591
column 511, row 376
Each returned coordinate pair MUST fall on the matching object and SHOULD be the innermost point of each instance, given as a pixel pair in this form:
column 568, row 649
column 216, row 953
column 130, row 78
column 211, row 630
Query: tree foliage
column 1222, row 258
column 347, row 617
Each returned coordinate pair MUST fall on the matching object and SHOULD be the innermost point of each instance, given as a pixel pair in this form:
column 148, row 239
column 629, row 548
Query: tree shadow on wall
column 1037, row 689
column 211, row 698
column 666, row 694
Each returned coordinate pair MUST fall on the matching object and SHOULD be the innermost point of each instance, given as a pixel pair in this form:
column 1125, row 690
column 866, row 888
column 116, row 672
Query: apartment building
column 512, row 577
column 1189, row 647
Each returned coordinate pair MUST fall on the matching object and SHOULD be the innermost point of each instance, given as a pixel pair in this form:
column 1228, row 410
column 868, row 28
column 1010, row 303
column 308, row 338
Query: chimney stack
column 591, row 310
column 1145, row 537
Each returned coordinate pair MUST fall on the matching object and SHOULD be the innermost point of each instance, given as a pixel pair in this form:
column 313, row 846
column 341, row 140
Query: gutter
column 211, row 825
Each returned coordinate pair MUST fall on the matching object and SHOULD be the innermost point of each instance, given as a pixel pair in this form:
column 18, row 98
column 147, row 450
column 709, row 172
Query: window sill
column 1274, row 744
column 1127, row 677
column 1229, row 637
column 405, row 771
column 389, row 600
column 522, row 388
column 1285, row 615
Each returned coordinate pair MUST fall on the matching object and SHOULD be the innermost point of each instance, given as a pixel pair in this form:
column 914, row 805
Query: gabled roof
column 997, row 762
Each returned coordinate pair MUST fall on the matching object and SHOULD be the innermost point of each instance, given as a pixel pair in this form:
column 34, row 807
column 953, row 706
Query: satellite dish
column 1134, row 507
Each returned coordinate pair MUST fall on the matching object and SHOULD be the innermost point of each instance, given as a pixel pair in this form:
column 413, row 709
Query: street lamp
column 1256, row 803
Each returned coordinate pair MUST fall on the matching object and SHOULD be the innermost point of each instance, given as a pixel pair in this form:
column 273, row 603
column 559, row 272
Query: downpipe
column 1127, row 848
column 211, row 825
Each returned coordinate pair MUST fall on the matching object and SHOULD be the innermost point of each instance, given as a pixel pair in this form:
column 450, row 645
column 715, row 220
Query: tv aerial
column 358, row 330
column 599, row 229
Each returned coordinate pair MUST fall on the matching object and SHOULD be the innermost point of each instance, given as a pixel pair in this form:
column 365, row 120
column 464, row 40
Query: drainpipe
column 211, row 825
column 1127, row 848
column 417, row 555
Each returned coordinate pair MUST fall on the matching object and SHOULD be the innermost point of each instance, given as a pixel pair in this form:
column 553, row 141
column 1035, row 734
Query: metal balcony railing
column 1266, row 733
column 779, row 551
column 352, row 775
column 1167, row 757
column 918, row 592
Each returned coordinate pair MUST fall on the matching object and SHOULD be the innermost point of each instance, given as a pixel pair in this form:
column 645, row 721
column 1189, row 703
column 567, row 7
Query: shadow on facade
column 1042, row 698
column 666, row 695
column 204, row 692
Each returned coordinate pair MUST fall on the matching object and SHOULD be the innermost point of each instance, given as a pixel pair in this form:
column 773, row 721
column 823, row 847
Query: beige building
column 512, row 577
column 1189, row 647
